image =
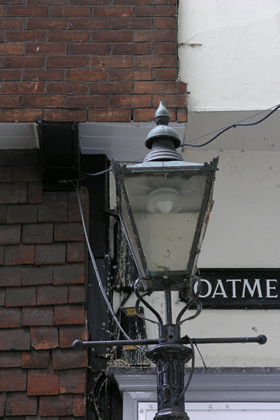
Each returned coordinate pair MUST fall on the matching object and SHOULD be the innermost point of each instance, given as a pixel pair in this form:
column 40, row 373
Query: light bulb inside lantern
column 165, row 201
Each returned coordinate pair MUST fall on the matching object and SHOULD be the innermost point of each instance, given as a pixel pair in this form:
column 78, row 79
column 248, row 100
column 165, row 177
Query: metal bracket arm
column 260, row 339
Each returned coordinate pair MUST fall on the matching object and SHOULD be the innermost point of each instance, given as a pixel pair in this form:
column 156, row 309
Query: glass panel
column 166, row 209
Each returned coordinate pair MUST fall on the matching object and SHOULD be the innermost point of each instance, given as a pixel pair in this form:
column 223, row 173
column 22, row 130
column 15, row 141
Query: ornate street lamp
column 164, row 205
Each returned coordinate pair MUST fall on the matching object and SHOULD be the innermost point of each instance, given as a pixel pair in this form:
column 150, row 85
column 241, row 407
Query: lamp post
column 164, row 205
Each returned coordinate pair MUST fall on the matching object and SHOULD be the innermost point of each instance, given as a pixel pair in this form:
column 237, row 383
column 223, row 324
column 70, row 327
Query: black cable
column 191, row 371
column 237, row 124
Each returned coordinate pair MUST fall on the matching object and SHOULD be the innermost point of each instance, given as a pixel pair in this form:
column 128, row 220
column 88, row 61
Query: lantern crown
column 162, row 140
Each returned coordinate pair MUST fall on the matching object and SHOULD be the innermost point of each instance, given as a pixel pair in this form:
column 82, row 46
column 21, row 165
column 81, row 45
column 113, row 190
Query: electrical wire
column 93, row 261
column 191, row 371
column 237, row 124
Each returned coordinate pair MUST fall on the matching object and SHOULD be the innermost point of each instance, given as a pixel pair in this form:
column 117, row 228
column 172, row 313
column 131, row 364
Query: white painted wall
column 229, row 53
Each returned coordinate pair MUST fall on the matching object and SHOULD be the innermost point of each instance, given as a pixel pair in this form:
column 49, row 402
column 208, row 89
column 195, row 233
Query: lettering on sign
column 240, row 288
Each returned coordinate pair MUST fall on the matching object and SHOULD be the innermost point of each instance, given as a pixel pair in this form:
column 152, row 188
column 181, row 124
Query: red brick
column 90, row 48
column 37, row 233
column 10, row 234
column 22, row 213
column 75, row 252
column 132, row 23
column 12, row 380
column 36, row 275
column 158, row 35
column 164, row 74
column 112, row 36
column 49, row 48
column 50, row 254
column 14, row 339
column 68, row 274
column 111, row 61
column 21, row 115
column 34, row 193
column 53, row 208
column 37, row 316
column 67, row 335
column 68, row 61
column 34, row 88
column 181, row 87
column 10, row 49
column 11, row 23
column 46, row 23
column 27, row 11
column 166, row 22
column 69, row 36
column 111, row 88
column 86, row 75
column 9, row 102
column 90, row 23
column 144, row 114
column 42, row 382
column 86, row 101
column 72, row 381
column 44, row 101
column 52, row 295
column 182, row 115
column 25, row 36
column 44, row 338
column 140, row 101
column 69, row 315
column 119, row 101
column 61, row 405
column 154, row 87
column 65, row 115
column 10, row 276
column 132, row 48
column 110, row 115
column 37, row 75
column 19, row 404
column 79, row 405
column 22, row 62
column 20, row 296
column 155, row 11
column 69, row 359
column 10, row 318
column 170, row 101
column 9, row 359
column 130, row 74
column 113, row 11
column 13, row 193
column 19, row 254
column 70, row 11
column 35, row 359
column 67, row 88
column 162, row 61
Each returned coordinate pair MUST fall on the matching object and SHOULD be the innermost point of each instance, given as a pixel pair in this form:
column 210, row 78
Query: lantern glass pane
column 166, row 209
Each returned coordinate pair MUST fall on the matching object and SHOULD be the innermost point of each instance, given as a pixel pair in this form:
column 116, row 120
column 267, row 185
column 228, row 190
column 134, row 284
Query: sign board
column 240, row 288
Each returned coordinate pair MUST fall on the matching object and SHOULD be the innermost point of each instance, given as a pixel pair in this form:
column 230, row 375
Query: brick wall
column 42, row 296
column 89, row 60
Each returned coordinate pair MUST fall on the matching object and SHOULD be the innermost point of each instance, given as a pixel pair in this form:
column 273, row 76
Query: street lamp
column 164, row 205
